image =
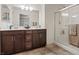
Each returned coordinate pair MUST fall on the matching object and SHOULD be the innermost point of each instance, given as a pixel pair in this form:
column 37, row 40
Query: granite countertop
column 21, row 29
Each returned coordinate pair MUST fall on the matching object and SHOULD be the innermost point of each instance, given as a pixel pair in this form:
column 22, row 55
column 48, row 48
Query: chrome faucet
column 11, row 26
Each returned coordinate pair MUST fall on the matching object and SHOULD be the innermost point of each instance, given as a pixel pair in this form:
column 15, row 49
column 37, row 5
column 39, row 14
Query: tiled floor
column 51, row 49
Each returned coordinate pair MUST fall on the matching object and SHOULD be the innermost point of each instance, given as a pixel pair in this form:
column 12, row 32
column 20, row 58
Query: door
column 0, row 42
column 42, row 37
column 7, row 42
column 36, row 41
column 19, row 41
column 61, row 27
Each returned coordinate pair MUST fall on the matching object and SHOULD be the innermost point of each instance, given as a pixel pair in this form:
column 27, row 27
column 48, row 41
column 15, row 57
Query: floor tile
column 51, row 49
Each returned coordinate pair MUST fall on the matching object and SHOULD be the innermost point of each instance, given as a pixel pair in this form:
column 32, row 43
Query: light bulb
column 31, row 8
column 26, row 8
column 22, row 7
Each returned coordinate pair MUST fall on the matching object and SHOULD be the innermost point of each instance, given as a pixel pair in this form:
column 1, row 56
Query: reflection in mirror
column 5, row 13
column 24, row 20
column 34, row 18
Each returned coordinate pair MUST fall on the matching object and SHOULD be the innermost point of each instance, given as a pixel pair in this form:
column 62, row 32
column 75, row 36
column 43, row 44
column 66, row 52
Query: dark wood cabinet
column 20, row 40
column 12, row 41
column 36, row 41
column 42, row 37
column 7, row 42
column 28, row 40
column 39, row 38
column 0, row 42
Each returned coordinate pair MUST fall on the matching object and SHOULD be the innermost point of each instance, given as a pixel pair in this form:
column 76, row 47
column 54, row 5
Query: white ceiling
column 39, row 6
column 17, row 5
column 35, row 6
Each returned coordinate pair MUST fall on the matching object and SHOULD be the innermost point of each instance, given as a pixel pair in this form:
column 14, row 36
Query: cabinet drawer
column 29, row 32
column 35, row 31
column 19, row 32
column 29, row 40
column 7, row 33
column 28, row 45
column 28, row 36
column 42, row 30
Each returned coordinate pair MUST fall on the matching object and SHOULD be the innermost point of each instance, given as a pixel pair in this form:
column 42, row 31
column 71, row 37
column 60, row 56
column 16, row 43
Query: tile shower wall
column 63, row 20
column 49, row 20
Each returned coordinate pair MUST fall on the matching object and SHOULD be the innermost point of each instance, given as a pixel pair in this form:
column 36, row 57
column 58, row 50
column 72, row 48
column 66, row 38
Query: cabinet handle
column 12, row 38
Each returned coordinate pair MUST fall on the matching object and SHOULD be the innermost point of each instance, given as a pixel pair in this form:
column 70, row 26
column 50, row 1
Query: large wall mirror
column 31, row 20
column 14, row 15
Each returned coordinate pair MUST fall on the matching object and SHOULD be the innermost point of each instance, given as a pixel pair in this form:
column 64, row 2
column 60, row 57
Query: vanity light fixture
column 26, row 7
column 31, row 8
column 22, row 7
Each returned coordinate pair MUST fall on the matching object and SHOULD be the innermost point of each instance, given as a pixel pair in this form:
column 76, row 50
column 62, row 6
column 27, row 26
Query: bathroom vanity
column 13, row 41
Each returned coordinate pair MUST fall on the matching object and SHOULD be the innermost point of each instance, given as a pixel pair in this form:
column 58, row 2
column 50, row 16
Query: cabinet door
column 42, row 37
column 36, row 42
column 7, row 42
column 28, row 40
column 0, row 42
column 19, row 41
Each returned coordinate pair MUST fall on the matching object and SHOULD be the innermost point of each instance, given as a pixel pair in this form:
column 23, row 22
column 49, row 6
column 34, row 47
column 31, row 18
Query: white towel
column 73, row 29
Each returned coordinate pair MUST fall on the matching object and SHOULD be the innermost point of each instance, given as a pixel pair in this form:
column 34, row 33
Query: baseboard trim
column 67, row 48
